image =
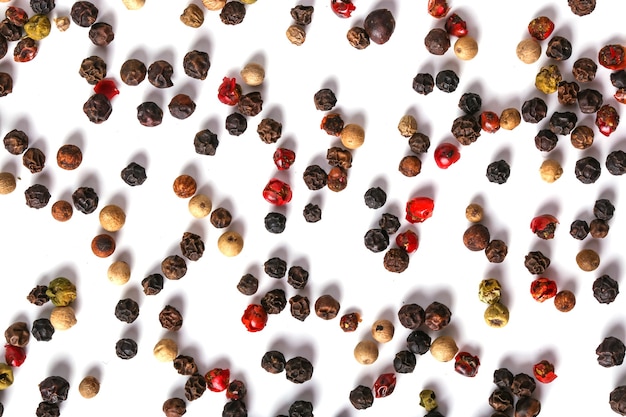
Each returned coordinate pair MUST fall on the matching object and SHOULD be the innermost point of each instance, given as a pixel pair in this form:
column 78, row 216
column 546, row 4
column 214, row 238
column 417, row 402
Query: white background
column 373, row 88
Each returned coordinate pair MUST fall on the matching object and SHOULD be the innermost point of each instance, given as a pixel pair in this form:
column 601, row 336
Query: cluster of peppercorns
column 297, row 369
column 302, row 16
column 503, row 398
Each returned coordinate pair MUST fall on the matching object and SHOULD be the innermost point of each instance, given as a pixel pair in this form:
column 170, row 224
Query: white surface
column 373, row 87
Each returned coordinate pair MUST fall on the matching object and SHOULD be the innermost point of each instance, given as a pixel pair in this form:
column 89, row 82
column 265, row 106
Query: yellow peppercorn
column 230, row 243
column 352, row 136
column 548, row 79
column 497, row 315
column 550, row 170
column 6, row 376
column 61, row 291
column 7, row 183
column 474, row 212
column 38, row 27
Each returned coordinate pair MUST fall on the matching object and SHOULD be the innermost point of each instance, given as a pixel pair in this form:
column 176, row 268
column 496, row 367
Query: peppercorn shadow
column 133, row 293
column 63, row 368
column 307, row 394
column 390, row 5
column 291, row 349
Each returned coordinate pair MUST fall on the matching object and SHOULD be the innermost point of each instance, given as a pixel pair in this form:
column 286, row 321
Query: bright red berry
column 446, row 154
column 408, row 241
column 612, row 57
column 342, row 8
column 217, row 379
column 544, row 226
column 229, row 91
column 438, row 8
column 456, row 26
column 543, row 289
column 106, row 87
column 607, row 119
column 489, row 122
column 541, row 28
column 254, row 318
column 544, row 372
column 384, row 385
column 14, row 355
column 419, row 209
column 466, row 364
column 277, row 192
column 284, row 158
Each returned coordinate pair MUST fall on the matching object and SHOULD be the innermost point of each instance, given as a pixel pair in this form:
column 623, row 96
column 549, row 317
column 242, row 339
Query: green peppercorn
column 428, row 399
column 489, row 291
column 6, row 376
column 38, row 27
column 61, row 291
column 497, row 315
column 548, row 79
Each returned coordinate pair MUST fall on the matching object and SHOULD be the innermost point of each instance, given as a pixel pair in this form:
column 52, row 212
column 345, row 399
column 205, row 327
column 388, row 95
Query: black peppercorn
column 235, row 408
column 598, row 228
column 42, row 330
column 496, row 251
column 447, row 81
column 269, row 130
column 46, row 409
column 411, row 316
column 498, row 172
column 42, row 6
column 250, row 104
column 101, row 34
column 273, row 362
column 149, row 114
column 534, row 110
column 93, row 69
column 536, row 262
column 127, row 310
column 300, row 307
column 248, row 284
column 501, row 399
column 34, row 159
column 196, row 64
column 160, row 74
column 587, row 170
column 10, row 31
column 195, row 387
column 584, row 70
column 54, row 389
column 423, row 83
column 546, row 140
column 84, row 13
column 404, row 362
column 205, row 142
column 220, row 218
column 437, row 316
column 418, row 342
column 437, row 41
column 605, row 289
column 559, row 48
column 192, row 246
column 236, row 124
column 297, row 277
column 4, row 48
column 579, row 229
column 616, row 162
column 301, row 408
column 37, row 196
column 332, row 124
column 85, row 199
column 611, row 352
column 97, row 108
column 589, row 100
column 603, row 209
column 298, row 370
column 174, row 267
column 275, row 222
column 582, row 7
column 233, row 13
column 170, row 318
column 375, row 197
column 324, row 99
column 301, row 14
column 134, row 174
column 315, row 177
column 390, row 223
column 185, row 365
column 466, row 129
column 133, row 72
column 376, row 240
column 523, row 385
column 503, row 378
column 126, row 348
column 15, row 142
column 275, row 267
column 361, row 397
column 470, row 103
column 312, row 213
column 567, row 93
column 181, row 106
column 562, row 123
column 274, row 301
column 152, row 284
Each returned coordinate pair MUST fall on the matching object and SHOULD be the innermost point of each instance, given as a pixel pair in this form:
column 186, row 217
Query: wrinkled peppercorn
column 185, row 365
column 298, row 370
column 332, row 124
column 579, row 229
column 501, row 399
column 160, row 74
column 611, row 352
column 133, row 174
column 174, row 407
column 10, row 31
column 358, row 37
column 233, row 13
column 97, row 108
column 466, row 129
column 567, row 93
column 404, row 362
column 273, row 362
column 275, row 222
column 603, row 209
column 101, row 34
column 45, row 409
column 423, row 83
column 536, row 262
column 152, row 284
column 562, row 123
column 312, row 213
column 174, row 267
column 195, row 387
column 127, row 310
column 437, row 41
column 301, row 14
column 476, row 237
column 605, row 289
column 38, row 296
column 274, row 301
column 523, row 385
column 133, row 72
column 297, row 277
column 37, row 196
column 361, row 397
column 589, row 100
column 584, row 70
column 235, row 408
column 470, row 103
column 205, row 142
column 69, row 157
column 559, row 48
column 34, row 160
column 396, row 260
column 275, row 267
column 534, row 110
column 181, row 106
column 337, row 179
column 498, row 172
column 236, row 124
column 192, row 246
column 582, row 137
column 170, row 318
column 437, row 316
column 248, row 284
column 411, row 316
column 503, row 378
column 376, row 240
column 546, row 140
column 496, row 251
column 250, row 104
column 149, row 114
column 54, row 389
column 390, row 223
column 42, row 330
column 582, row 7
column 84, row 13
column 617, row 400
column 300, row 307
column 93, row 69
column 375, row 197
column 327, row 307
column 418, row 342
column 315, row 177
column 447, row 81
column 410, row 166
column 269, row 130
column 25, row 50
column 15, row 142
column 85, row 199
column 126, row 348
column 616, row 162
column 196, row 64
column 324, row 99
column 587, row 170
column 17, row 334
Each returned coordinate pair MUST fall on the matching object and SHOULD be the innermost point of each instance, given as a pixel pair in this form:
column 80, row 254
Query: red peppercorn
column 544, row 226
column 541, row 27
column 544, row 372
column 14, row 355
column 612, row 57
column 607, row 119
column 466, row 364
column 384, row 385
column 277, row 192
column 408, row 240
column 217, row 379
column 342, row 8
column 456, row 26
column 419, row 209
column 438, row 8
column 284, row 158
column 489, row 121
column 543, row 289
column 106, row 87
column 620, row 95
column 254, row 318
column 446, row 154
column 229, row 91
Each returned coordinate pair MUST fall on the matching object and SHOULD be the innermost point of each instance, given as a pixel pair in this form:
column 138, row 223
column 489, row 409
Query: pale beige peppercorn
column 119, row 273
column 588, row 260
column 366, row 352
column 63, row 318
column 352, row 136
column 62, row 23
column 134, row 4
column 200, row 206
column 7, row 183
column 230, row 243
column 443, row 348
column 166, row 350
column 253, row 74
column 466, row 48
column 382, row 331
column 296, row 34
column 407, row 126
column 214, row 5
column 550, row 170
column 192, row 16
column 112, row 218
column 510, row 118
column 89, row 387
column 474, row 212
column 528, row 51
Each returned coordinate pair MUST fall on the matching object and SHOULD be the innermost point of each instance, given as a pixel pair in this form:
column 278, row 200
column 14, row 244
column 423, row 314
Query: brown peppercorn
column 337, row 179
column 221, row 218
column 352, row 136
column 474, row 212
column 103, row 245
column 184, row 186
column 133, row 72
column 437, row 316
column 17, row 334
column 496, row 251
column 510, row 118
column 15, row 142
column 443, row 348
column 382, row 331
column 69, row 157
column 582, row 137
column 476, row 237
column 7, row 183
column 529, row 51
column 34, row 159
column 358, row 38
column 550, row 170
column 588, row 260
column 327, row 307
column 437, row 41
column 250, row 104
column 564, row 300
column 160, row 74
column 62, row 210
column 598, row 228
column 410, row 166
column 174, row 407
column 338, row 157
column 170, row 318
column 296, row 34
column 93, row 69
column 185, row 365
column 181, row 106
column 101, row 34
column 89, row 387
column 396, row 260
column 466, row 48
column 366, row 352
column 192, row 16
column 269, row 130
column 214, row 5
column 407, row 126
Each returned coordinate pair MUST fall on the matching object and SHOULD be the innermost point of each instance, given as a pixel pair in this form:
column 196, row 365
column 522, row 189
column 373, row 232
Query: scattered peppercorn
column 587, row 170
column 170, row 318
column 466, row 48
column 466, row 129
column 437, row 41
column 195, row 387
column 196, row 64
column 174, row 267
column 312, row 213
column 567, row 93
column 361, row 397
column 275, row 267
column 443, row 348
column 437, row 316
column 192, row 16
column 299, row 307
column 350, row 322
column 133, row 174
column 273, row 362
column 233, row 13
column 423, row 83
column 54, row 389
column 418, row 342
column 298, row 370
column 366, row 352
column 149, row 114
column 185, row 365
column 564, row 300
column 152, row 284
column 447, row 81
column 404, row 362
column 37, row 196
column 89, row 387
column 192, row 246
column 476, row 237
column 611, row 352
column 598, row 228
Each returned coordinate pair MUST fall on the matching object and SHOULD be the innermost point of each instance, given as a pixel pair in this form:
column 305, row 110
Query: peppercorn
column 84, row 13
column 119, row 272
column 466, row 129
column 165, row 350
column 476, row 237
column 607, row 119
column 152, row 284
column 236, row 390
column 418, row 342
column 230, row 243
column 496, row 315
column 616, row 162
column 103, row 245
column 567, row 93
column 437, row 316
column 564, row 300
column 548, row 79
column 534, row 110
column 181, row 106
column 443, row 348
column 423, row 83
column 89, row 387
column 327, row 307
column 192, row 16
column 598, row 228
column 297, row 277
column 101, row 34
column 407, row 126
column 437, row 41
column 611, row 352
column 498, row 172
column 235, row 407
column 233, row 13
column 389, row 223
column 352, row 136
column 410, row 166
column 559, row 48
column 63, row 318
column 196, row 64
column 133, row 72
column 302, row 14
column 186, row 365
column 587, row 170
column 358, row 37
column 38, row 296
column 501, row 399
column 337, row 179
column 127, row 310
column 603, row 209
column 149, row 114
column 7, row 183
column 298, row 370
column 170, row 318
column 269, row 130
column 466, row 48
column 361, row 397
column 466, row 364
column 396, row 260
column 447, row 80
column 582, row 7
column 273, row 362
column 15, row 142
column 195, row 387
column 379, row 25
column 404, row 362
column 54, row 389
column 236, row 124
column 174, row 407
column 489, row 291
column 366, row 352
column 350, row 322
column 37, row 196
column 126, row 348
column 562, row 123
column 133, row 174
column 299, row 307
column 214, row 4
column 523, row 385
column 528, row 51
column 382, row 331
column 97, row 108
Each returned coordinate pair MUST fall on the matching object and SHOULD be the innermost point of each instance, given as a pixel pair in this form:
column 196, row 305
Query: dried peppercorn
column 101, row 34
column 361, row 397
column 588, row 260
column 301, row 408
column 42, row 330
column 589, row 100
column 389, row 223
column 254, row 318
column 550, row 170
column 447, row 81
column 443, row 348
column 544, row 226
column 579, row 229
column 61, row 291
column 230, row 243
column 603, row 209
column 205, row 142
column 133, row 174
column 587, row 170
column 438, row 8
column 297, row 277
column 446, row 154
column 350, row 322
column 299, row 307
column 149, row 114
column 250, row 104
column 315, row 178
column 185, row 365
column 181, row 106
column 543, row 289
column 562, row 123
column 523, row 385
column 617, row 400
column 342, row 8
column 127, row 310
column 489, row 291
column 269, row 130
column 173, row 267
column 192, row 246
column 456, row 26
column 196, row 64
column 298, row 370
column 236, row 124
column 396, row 260
column 324, row 99
column 498, row 172
column 15, row 142
column 418, row 342
column 476, row 237
column 10, row 31
column 133, row 72
column 616, row 162
column 45, row 409
column 470, row 103
column 564, row 300
column 275, row 222
column 536, row 262
column 559, row 48
column 404, row 362
column 192, row 16
column 302, row 14
column 38, row 296
column 466, row 48
column 235, row 408
column 607, row 119
column 34, row 160
column 152, row 284
column 236, row 390
column 69, row 157
column 384, row 385
column 84, row 13
column 423, row 83
column 534, row 110
column 466, row 129
column 358, row 37
column 428, row 400
column 16, row 15
column 408, row 240
column 379, row 25
column 277, row 192
column 283, row 158
column 466, row 364
column 312, row 213
column 410, row 166
column 229, row 91
column 37, row 196
column 327, row 307
column 275, row 267
column 54, row 389
column 437, row 316
column 548, row 79
column 567, row 93
column 233, row 13
column 419, row 209
column 411, row 316
column 248, row 284
column 611, row 352
column 584, row 70
column 98, row 108
column 598, row 228
column 366, row 352
column 170, row 318
column 332, row 124
column 501, row 399
column 541, row 27
column 174, row 407
column 337, row 179
column 195, row 387
column 496, row 251
column 160, row 74
column 582, row 137
column 93, row 69
column 6, row 376
column 217, row 379
column 437, row 41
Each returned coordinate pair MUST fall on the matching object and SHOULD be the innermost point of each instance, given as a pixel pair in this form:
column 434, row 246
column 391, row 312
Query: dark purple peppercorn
column 589, row 100
column 584, row 70
column 34, row 160
column 93, row 69
column 301, row 408
column 220, row 218
column 85, row 200
column 534, row 110
column 559, row 48
column 466, row 129
column 379, row 25
column 605, row 289
column 315, row 178
column 250, row 104
column 236, row 124
column 181, row 106
column 375, row 197
column 37, row 196
column 498, row 172
column 97, row 108
column 297, row 277
column 546, row 140
column 616, row 162
column 15, row 142
column 42, row 330
column 523, row 385
column 567, row 93
column 160, row 74
column 587, row 170
column 437, row 41
column 185, row 365
column 275, row 222
column 501, row 399
column 423, row 83
column 274, row 301
column 273, row 362
column 562, row 123
column 54, row 389
column 42, row 6
column 312, row 213
column 361, row 397
column 205, row 142
column 470, row 103
column 248, row 284
column 195, row 387
column 447, row 81
column 84, row 13
column 437, row 316
column 149, row 114
column 298, row 370
column 404, row 362
column 418, row 342
column 134, row 174
column 233, row 13
column 503, row 378
column 196, row 64
column 324, row 99
column 411, row 316
column 376, row 240
column 152, row 284
column 127, row 310
column 46, row 409
column 300, row 307
column 101, row 34
column 579, row 229
column 603, row 209
column 611, row 352
column 536, row 262
column 174, row 407
column 235, row 408
column 275, row 267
